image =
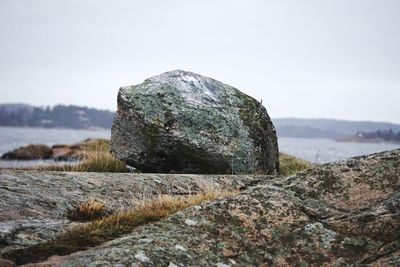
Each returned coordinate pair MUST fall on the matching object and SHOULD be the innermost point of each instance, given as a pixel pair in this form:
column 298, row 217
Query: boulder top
column 179, row 77
column 195, row 88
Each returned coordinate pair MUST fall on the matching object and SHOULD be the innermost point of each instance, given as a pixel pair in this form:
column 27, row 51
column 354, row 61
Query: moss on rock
column 186, row 123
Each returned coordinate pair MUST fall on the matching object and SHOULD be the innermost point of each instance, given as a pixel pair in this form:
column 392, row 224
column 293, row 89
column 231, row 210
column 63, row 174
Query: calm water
column 11, row 138
column 315, row 150
column 327, row 150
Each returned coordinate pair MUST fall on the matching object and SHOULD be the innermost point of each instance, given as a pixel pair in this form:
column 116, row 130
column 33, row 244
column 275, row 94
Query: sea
column 316, row 150
column 14, row 137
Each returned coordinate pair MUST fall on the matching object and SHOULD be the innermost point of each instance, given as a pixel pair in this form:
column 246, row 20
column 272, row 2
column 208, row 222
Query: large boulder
column 183, row 122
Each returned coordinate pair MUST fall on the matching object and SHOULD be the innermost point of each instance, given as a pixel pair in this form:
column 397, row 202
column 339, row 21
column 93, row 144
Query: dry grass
column 88, row 211
column 290, row 165
column 90, row 234
column 97, row 158
column 96, row 144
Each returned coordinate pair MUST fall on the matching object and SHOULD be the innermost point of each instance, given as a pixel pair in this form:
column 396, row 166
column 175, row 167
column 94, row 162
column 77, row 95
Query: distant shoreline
column 368, row 141
column 59, row 116
column 57, row 128
column 347, row 139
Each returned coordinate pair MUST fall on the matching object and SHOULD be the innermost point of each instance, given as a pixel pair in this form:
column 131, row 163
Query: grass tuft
column 97, row 158
column 90, row 234
column 90, row 210
column 290, row 165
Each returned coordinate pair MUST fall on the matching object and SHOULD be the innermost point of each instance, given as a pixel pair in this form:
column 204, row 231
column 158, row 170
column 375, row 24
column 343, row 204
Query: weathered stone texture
column 34, row 205
column 183, row 122
column 341, row 214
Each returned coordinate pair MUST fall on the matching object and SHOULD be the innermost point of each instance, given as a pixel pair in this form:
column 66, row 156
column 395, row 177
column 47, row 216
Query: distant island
column 59, row 116
column 77, row 117
column 330, row 128
column 374, row 137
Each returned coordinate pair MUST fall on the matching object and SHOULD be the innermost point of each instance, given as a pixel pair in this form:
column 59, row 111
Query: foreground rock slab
column 35, row 206
column 182, row 122
column 50, row 195
column 341, row 214
column 26, row 233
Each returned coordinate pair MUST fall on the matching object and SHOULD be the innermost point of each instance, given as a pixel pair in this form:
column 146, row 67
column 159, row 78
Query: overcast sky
column 311, row 58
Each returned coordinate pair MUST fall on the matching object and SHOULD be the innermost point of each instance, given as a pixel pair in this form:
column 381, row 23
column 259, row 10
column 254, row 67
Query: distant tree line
column 328, row 128
column 388, row 135
column 59, row 116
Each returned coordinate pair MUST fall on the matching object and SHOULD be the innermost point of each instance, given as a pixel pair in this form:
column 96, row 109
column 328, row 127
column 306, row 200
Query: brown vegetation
column 88, row 211
column 289, row 165
column 29, row 152
column 96, row 158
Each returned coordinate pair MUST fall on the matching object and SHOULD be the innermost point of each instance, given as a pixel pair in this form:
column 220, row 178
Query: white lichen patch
column 140, row 256
column 232, row 261
column 193, row 87
column 220, row 264
column 180, row 247
column 190, row 222
column 326, row 236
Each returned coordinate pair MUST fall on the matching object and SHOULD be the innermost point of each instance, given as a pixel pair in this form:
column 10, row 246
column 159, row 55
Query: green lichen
column 168, row 116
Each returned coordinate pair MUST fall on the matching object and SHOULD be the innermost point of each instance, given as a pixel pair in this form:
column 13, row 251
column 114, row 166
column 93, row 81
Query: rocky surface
column 62, row 152
column 49, row 195
column 18, row 234
column 183, row 122
column 341, row 214
column 35, row 205
column 29, row 152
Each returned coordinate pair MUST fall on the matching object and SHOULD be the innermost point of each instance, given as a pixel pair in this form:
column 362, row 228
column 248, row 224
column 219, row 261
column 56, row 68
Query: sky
column 312, row 59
